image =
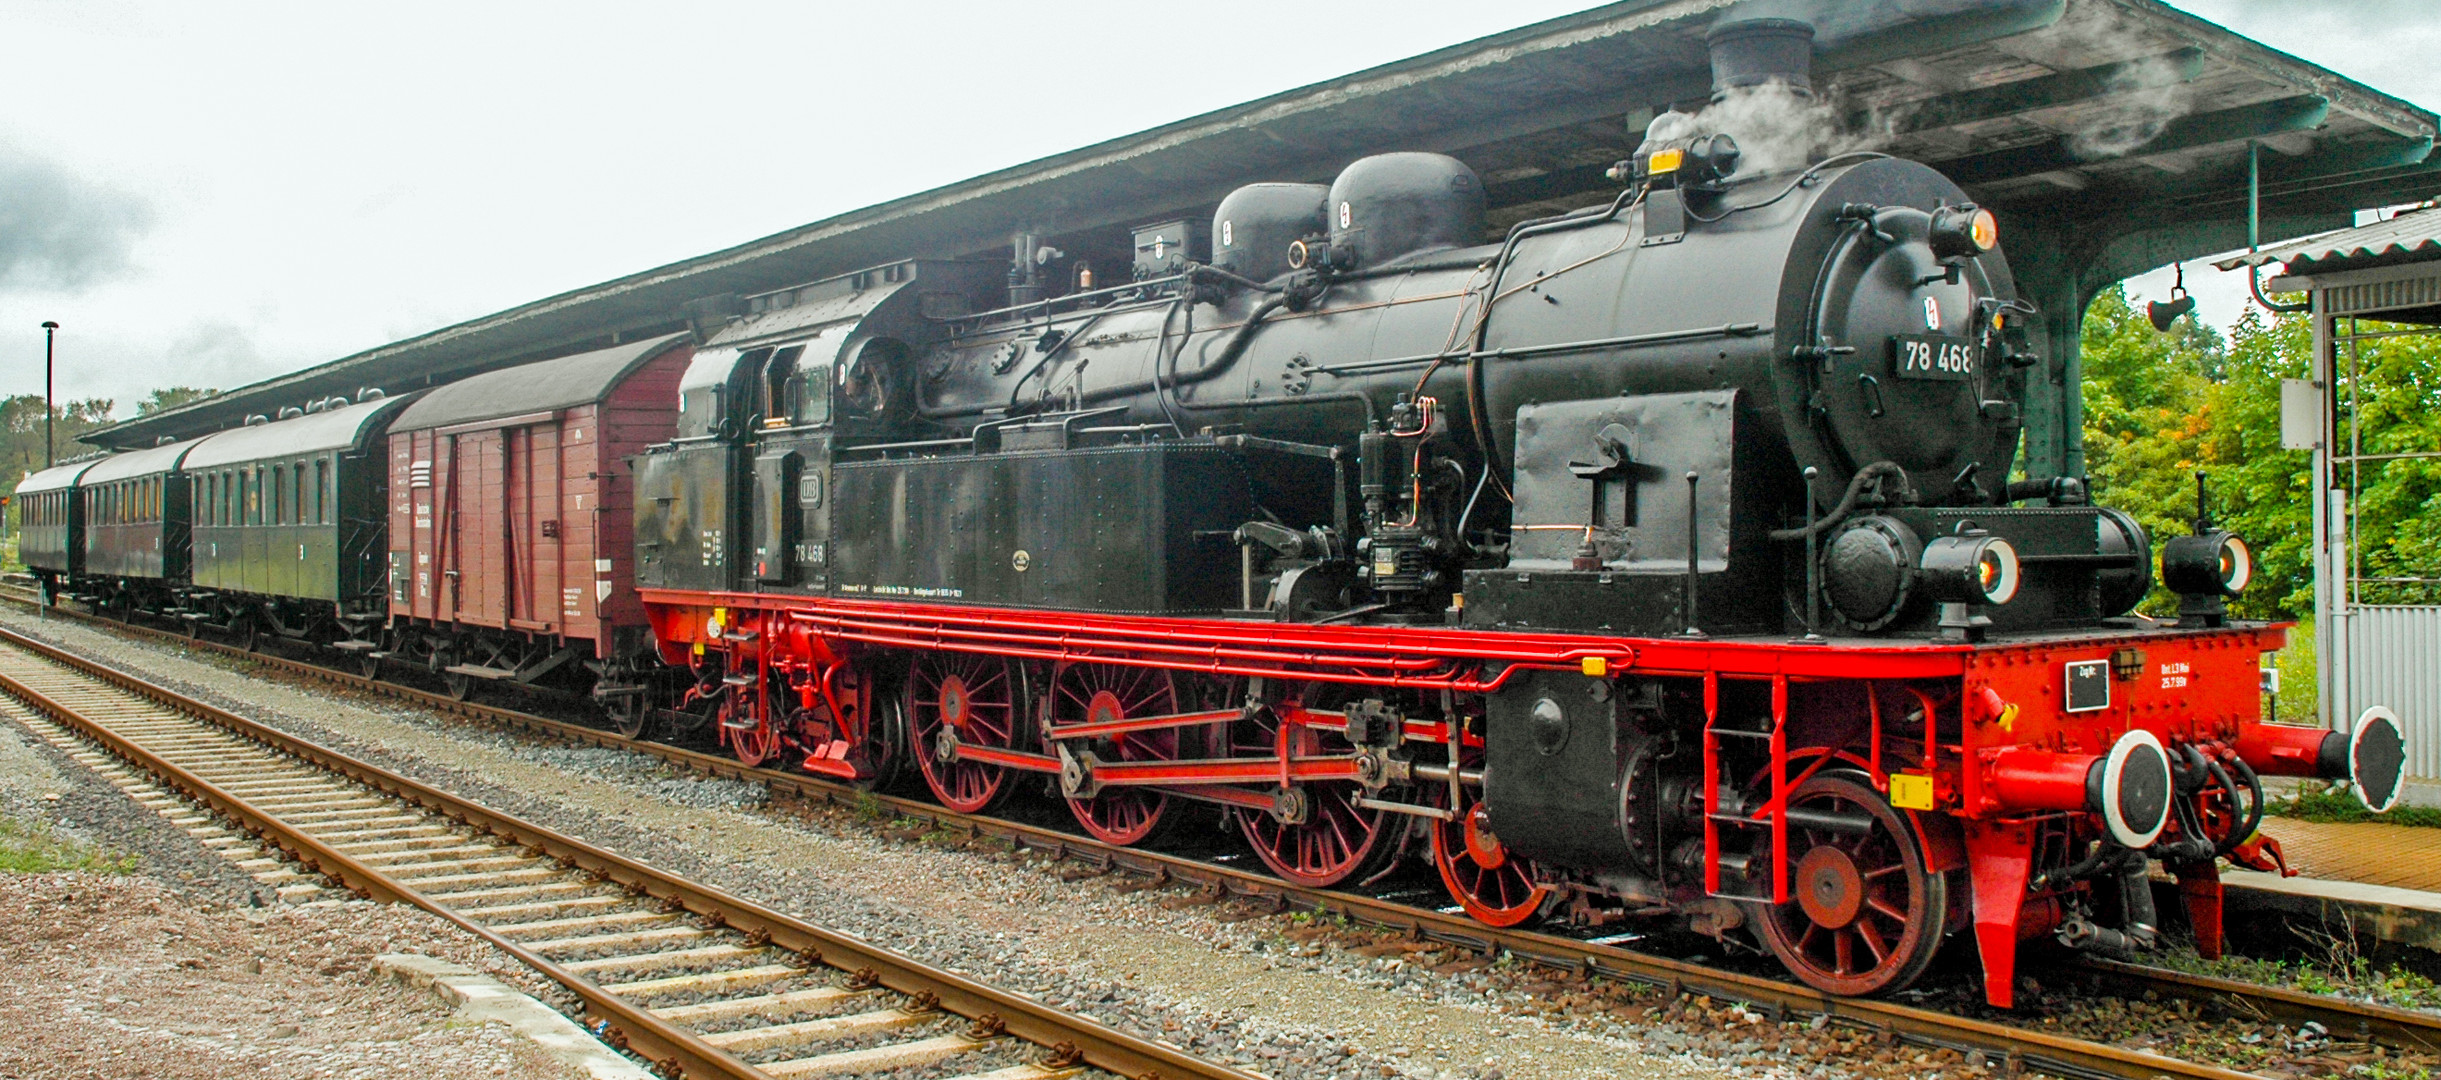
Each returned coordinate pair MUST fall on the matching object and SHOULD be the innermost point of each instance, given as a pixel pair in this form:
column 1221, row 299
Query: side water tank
column 1254, row 226
column 1389, row 206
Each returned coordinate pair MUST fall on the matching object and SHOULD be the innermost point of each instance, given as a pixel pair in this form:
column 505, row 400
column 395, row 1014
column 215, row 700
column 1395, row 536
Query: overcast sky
column 214, row 193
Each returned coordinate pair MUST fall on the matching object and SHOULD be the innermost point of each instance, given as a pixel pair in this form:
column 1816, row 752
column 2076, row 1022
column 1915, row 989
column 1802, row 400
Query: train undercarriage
column 1823, row 805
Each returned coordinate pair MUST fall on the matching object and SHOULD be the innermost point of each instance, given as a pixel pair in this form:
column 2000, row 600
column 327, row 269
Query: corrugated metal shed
column 2113, row 135
column 2410, row 237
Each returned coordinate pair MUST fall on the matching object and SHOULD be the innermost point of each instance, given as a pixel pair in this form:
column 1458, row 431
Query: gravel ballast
column 125, row 975
column 1287, row 999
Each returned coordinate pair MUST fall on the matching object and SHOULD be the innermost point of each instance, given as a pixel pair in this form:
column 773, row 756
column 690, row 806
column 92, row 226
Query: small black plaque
column 1945, row 357
column 2088, row 685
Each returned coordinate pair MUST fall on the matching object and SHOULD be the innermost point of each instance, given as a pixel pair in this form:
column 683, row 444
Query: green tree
column 170, row 397
column 2160, row 407
column 21, row 432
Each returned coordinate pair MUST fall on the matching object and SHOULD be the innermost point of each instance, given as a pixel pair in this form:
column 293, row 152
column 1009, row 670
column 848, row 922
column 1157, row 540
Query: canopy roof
column 2112, row 119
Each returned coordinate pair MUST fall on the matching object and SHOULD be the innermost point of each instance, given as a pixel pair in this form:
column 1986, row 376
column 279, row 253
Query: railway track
column 2011, row 1048
column 699, row 982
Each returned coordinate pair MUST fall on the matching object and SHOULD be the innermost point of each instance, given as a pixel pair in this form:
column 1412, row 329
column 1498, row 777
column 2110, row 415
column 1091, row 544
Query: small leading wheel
column 752, row 745
column 249, row 635
column 1864, row 916
column 1338, row 840
column 1494, row 886
column 366, row 665
column 1107, row 693
column 458, row 685
column 959, row 699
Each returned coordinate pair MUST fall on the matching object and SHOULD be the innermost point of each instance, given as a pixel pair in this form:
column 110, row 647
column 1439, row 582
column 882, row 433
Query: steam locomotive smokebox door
column 1143, row 529
column 1613, row 472
column 775, row 514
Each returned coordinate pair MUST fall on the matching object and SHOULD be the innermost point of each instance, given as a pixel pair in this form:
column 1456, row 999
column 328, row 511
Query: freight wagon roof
column 54, row 478
column 334, row 429
column 582, row 379
column 148, row 462
column 2124, row 123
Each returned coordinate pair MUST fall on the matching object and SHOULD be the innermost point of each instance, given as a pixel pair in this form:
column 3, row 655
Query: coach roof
column 148, row 462
column 531, row 388
column 55, row 478
column 335, row 429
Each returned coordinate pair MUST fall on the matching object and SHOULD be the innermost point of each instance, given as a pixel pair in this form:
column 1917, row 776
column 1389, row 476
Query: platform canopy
column 2112, row 135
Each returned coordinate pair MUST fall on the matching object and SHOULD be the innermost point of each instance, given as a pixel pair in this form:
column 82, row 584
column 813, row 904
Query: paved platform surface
column 2385, row 880
column 2370, row 853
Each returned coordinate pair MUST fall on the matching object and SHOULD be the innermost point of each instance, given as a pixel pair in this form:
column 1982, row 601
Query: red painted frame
column 2186, row 686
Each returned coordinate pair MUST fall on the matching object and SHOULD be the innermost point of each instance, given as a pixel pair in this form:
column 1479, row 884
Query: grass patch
column 2317, row 801
column 30, row 849
column 2333, row 964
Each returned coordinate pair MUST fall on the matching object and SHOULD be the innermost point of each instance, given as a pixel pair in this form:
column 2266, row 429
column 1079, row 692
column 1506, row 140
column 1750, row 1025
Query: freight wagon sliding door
column 533, row 526
column 477, row 501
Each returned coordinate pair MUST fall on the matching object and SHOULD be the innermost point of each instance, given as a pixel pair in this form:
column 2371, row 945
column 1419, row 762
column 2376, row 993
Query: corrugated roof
column 2409, row 237
column 531, row 388
column 336, row 429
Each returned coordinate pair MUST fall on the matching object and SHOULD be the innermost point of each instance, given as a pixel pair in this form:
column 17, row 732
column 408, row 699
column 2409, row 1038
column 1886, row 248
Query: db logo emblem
column 1932, row 314
column 1020, row 560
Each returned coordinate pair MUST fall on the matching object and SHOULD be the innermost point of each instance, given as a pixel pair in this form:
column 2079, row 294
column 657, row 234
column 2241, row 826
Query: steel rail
column 2008, row 1044
column 677, row 1050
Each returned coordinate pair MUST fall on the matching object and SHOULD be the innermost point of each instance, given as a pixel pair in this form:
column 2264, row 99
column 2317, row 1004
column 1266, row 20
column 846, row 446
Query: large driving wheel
column 1102, row 693
column 1338, row 839
column 957, row 699
column 1864, row 916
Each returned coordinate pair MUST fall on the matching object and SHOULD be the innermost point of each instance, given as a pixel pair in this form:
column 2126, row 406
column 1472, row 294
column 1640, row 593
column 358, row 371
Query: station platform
column 2383, row 879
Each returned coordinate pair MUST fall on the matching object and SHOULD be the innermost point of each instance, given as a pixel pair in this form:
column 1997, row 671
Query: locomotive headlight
column 1963, row 232
column 1970, row 570
column 2208, row 564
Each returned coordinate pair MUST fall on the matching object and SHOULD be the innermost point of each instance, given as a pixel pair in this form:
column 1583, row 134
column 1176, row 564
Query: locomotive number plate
column 1935, row 356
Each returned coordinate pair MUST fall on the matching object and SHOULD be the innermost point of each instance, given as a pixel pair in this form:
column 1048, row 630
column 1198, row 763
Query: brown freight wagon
column 512, row 556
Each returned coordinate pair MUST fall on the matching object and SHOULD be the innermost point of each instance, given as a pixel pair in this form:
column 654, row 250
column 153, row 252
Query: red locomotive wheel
column 1496, row 887
column 1864, row 916
column 755, row 745
column 972, row 700
column 1101, row 693
column 1338, row 840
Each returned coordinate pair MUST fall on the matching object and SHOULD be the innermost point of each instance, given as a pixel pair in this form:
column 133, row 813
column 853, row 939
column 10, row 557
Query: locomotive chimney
column 1758, row 52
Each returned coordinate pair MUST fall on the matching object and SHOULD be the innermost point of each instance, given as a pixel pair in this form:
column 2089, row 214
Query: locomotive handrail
column 1516, row 352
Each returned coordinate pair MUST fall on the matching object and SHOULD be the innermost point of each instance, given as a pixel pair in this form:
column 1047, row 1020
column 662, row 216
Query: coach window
column 296, row 495
column 322, row 491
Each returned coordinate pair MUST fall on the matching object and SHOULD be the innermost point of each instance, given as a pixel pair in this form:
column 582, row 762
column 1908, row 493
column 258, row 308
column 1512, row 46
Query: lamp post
column 50, row 330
